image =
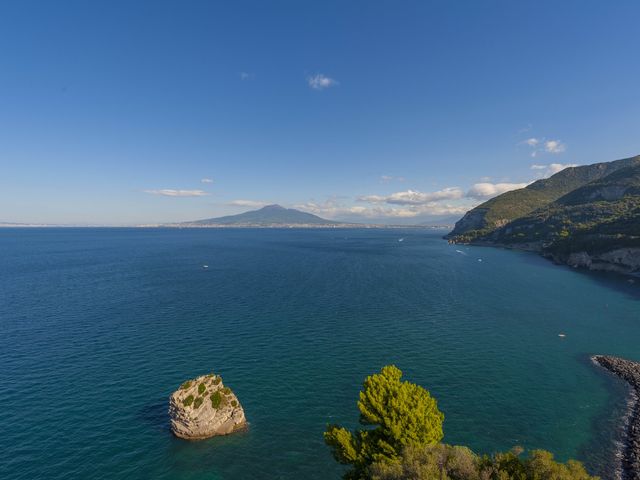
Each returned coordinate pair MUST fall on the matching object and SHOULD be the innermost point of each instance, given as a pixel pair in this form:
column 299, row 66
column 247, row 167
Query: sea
column 98, row 326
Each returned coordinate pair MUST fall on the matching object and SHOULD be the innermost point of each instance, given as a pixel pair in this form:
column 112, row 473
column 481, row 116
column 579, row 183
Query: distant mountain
column 271, row 215
column 594, row 225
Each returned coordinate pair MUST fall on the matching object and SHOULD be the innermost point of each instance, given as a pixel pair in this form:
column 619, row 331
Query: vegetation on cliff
column 203, row 407
column 401, row 440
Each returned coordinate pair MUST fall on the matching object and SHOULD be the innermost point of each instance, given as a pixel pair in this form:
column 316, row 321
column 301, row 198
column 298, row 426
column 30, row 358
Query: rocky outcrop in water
column 629, row 371
column 203, row 408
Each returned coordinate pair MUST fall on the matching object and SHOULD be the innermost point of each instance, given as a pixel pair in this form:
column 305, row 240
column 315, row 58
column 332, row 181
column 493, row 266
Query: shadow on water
column 628, row 285
column 625, row 284
column 156, row 415
column 601, row 454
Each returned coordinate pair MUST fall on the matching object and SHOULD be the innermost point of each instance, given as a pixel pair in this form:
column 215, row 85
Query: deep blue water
column 99, row 326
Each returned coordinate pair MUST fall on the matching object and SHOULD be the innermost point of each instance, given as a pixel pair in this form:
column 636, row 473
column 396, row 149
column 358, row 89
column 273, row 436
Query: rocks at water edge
column 203, row 407
column 629, row 371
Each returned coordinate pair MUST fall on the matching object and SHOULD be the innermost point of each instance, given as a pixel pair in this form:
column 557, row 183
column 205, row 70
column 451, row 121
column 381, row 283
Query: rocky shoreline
column 630, row 372
column 625, row 261
column 620, row 260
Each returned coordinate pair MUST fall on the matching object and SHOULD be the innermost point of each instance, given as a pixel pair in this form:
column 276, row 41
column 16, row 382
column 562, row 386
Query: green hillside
column 601, row 215
column 494, row 214
column 596, row 225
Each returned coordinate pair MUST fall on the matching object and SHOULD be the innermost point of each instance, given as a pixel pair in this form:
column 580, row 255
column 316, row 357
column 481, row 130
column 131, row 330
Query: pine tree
column 399, row 413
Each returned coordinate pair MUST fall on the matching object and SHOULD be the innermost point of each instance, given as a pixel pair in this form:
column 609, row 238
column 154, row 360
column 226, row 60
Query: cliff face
column 621, row 260
column 203, row 408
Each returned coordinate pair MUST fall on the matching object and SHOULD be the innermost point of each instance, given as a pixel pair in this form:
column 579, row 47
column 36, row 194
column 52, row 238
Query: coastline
column 620, row 261
column 629, row 371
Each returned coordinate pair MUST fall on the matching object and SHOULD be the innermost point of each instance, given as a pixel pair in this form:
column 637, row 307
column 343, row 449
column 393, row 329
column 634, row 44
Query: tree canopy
column 395, row 413
column 400, row 440
column 446, row 462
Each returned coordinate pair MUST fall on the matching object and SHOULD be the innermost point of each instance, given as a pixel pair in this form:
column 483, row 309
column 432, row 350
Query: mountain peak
column 269, row 215
column 273, row 207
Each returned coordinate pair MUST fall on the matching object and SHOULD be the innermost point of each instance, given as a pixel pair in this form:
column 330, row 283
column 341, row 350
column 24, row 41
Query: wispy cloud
column 246, row 76
column 247, row 203
column 206, row 180
column 390, row 178
column 554, row 146
column 320, row 81
column 169, row 192
column 551, row 168
column 414, row 197
column 485, row 190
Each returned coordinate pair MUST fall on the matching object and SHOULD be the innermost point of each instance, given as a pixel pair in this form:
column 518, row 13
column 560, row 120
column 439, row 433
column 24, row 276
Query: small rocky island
column 203, row 408
column 629, row 371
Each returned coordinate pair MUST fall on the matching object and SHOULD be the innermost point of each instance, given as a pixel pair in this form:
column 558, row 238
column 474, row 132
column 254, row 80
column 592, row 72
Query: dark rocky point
column 630, row 372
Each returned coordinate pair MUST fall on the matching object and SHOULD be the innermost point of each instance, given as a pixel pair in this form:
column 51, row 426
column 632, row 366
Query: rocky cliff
column 203, row 407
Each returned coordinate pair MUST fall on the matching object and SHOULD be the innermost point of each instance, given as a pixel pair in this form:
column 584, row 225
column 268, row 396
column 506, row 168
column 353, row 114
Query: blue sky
column 113, row 112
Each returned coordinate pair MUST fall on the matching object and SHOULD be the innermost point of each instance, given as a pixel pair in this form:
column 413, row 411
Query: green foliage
column 186, row 385
column 226, row 390
column 188, row 401
column 197, row 402
column 446, row 462
column 403, row 443
column 426, row 463
column 217, row 381
column 234, row 403
column 201, row 388
column 398, row 413
column 216, row 399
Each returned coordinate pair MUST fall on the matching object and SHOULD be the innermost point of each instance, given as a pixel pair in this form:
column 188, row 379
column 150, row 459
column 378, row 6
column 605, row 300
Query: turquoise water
column 99, row 326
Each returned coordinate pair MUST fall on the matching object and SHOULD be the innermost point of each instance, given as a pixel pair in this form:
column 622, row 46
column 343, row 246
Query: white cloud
column 247, row 203
column 206, row 180
column 246, row 76
column 542, row 145
column 485, row 190
column 554, row 146
column 390, row 178
column 414, row 197
column 332, row 209
column 320, row 81
column 551, row 168
column 168, row 192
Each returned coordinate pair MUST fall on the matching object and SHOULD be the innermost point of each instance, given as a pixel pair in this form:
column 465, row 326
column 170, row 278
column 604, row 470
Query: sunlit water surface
column 99, row 326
